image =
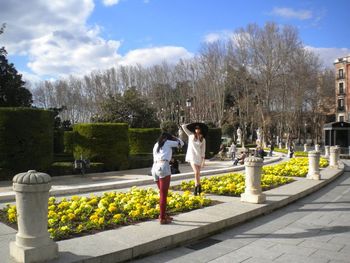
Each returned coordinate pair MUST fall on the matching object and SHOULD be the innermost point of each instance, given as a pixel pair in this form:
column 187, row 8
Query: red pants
column 163, row 186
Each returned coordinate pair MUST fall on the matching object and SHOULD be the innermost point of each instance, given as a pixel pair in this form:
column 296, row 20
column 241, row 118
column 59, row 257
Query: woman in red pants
column 162, row 153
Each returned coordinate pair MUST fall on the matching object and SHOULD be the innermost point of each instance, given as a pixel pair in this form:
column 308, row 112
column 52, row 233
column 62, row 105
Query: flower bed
column 83, row 215
column 232, row 184
column 297, row 167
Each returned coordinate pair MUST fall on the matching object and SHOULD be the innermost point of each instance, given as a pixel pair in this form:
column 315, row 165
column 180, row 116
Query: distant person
column 222, row 151
column 240, row 158
column 174, row 166
column 291, row 151
column 272, row 148
column 195, row 153
column 162, row 154
column 232, row 151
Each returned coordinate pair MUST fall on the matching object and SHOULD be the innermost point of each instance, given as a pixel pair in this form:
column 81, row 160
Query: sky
column 57, row 38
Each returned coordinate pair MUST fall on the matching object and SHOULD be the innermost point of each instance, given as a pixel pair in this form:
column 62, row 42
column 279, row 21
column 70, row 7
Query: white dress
column 195, row 149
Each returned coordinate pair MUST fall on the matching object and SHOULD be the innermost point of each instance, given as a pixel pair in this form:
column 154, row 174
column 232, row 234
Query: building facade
column 342, row 82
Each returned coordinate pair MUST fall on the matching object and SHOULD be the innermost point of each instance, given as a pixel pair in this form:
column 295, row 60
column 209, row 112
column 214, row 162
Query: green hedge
column 213, row 141
column 67, row 168
column 102, row 142
column 142, row 140
column 68, row 141
column 58, row 141
column 140, row 161
column 26, row 140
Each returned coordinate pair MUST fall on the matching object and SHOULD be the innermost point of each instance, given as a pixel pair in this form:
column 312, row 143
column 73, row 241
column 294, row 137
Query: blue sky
column 52, row 39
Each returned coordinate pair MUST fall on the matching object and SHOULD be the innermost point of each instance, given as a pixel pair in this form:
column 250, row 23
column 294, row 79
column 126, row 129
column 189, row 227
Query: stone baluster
column 326, row 151
column 305, row 147
column 317, row 147
column 314, row 165
column 333, row 158
column 253, row 193
column 33, row 243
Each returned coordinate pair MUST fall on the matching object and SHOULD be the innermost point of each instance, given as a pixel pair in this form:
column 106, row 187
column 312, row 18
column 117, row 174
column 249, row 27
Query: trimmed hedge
column 26, row 140
column 141, row 161
column 58, row 141
column 142, row 140
column 67, row 168
column 213, row 141
column 68, row 141
column 102, row 142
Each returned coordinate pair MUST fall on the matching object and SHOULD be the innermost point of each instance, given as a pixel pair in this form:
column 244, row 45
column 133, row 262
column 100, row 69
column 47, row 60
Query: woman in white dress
column 195, row 153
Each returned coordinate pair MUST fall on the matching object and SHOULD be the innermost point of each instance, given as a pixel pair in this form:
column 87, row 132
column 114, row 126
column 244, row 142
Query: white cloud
column 290, row 13
column 329, row 55
column 221, row 35
column 57, row 41
column 110, row 2
column 155, row 55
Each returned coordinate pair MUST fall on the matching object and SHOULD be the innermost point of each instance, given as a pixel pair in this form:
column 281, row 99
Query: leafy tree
column 131, row 108
column 170, row 127
column 12, row 90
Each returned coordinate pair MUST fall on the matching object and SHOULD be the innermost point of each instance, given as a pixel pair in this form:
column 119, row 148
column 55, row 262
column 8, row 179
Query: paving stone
column 321, row 245
column 288, row 258
column 296, row 250
column 331, row 255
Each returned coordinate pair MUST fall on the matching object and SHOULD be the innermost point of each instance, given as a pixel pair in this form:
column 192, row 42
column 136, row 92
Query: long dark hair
column 200, row 136
column 162, row 139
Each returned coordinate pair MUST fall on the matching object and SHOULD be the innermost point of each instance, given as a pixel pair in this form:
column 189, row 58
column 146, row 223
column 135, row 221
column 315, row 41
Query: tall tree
column 12, row 90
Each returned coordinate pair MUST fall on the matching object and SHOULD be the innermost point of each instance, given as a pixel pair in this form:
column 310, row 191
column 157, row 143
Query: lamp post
column 178, row 112
column 189, row 105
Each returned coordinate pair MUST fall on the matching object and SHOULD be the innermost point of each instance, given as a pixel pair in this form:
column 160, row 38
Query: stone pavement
column 137, row 240
column 314, row 229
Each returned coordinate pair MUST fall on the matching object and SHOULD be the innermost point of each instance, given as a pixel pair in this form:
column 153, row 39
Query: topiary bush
column 26, row 140
column 142, row 140
column 68, row 141
column 102, row 142
column 213, row 140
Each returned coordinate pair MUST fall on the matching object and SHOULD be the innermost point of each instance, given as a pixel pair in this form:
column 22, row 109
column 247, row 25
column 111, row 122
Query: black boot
column 199, row 189
column 195, row 190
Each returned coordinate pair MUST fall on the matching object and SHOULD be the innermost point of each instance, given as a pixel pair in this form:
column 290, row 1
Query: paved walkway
column 134, row 241
column 313, row 229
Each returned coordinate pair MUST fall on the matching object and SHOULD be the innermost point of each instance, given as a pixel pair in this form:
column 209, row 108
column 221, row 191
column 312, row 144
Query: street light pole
column 189, row 105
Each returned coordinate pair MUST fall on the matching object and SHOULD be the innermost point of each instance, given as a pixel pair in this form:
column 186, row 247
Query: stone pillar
column 326, row 151
column 33, row 243
column 333, row 158
column 314, row 165
column 253, row 193
column 305, row 147
column 317, row 147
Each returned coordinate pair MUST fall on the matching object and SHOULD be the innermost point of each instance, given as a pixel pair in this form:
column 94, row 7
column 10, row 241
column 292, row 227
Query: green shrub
column 142, row 140
column 68, row 141
column 170, row 127
column 140, row 161
column 102, row 142
column 63, row 157
column 213, row 141
column 67, row 168
column 58, row 141
column 26, row 140
column 228, row 130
